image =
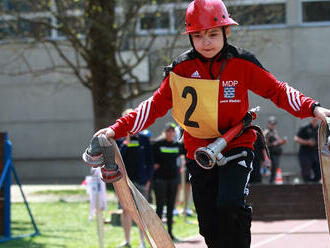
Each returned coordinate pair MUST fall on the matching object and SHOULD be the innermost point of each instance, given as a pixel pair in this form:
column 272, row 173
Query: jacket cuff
column 315, row 104
column 119, row 131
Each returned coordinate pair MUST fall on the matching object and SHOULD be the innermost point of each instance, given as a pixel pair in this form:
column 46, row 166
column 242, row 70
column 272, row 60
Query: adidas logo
column 195, row 75
column 242, row 163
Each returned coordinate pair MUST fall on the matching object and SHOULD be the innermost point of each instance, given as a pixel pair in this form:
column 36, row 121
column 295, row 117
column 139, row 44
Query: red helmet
column 206, row 14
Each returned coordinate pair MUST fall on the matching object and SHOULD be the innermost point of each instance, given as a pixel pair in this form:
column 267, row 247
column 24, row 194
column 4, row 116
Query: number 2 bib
column 195, row 105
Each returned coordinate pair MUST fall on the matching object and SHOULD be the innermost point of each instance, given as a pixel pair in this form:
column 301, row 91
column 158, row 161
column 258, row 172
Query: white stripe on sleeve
column 289, row 97
column 294, row 98
column 137, row 116
column 146, row 115
column 142, row 116
column 298, row 98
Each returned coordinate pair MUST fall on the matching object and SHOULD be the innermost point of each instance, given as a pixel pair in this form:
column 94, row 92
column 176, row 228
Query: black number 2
column 190, row 90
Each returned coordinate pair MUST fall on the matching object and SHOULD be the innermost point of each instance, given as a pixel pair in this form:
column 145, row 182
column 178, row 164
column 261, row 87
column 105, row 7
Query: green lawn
column 65, row 224
column 66, row 192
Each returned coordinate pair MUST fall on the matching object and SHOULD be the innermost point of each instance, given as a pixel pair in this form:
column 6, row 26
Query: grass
column 67, row 192
column 65, row 224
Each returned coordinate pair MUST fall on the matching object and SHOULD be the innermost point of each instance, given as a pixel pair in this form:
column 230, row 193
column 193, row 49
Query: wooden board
column 324, row 154
column 138, row 207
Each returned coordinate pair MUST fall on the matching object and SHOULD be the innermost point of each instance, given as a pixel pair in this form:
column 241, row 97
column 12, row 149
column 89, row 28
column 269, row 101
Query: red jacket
column 242, row 71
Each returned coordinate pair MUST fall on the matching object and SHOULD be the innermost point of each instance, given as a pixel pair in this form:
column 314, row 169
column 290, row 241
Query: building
column 50, row 124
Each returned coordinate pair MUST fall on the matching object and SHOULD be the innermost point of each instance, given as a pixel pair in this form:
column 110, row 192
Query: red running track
column 280, row 234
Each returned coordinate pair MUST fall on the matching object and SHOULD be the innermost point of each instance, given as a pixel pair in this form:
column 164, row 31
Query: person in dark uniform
column 308, row 151
column 274, row 144
column 167, row 173
column 260, row 160
column 136, row 151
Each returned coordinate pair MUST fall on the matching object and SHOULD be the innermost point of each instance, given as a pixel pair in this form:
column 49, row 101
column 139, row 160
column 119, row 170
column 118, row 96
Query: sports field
column 61, row 214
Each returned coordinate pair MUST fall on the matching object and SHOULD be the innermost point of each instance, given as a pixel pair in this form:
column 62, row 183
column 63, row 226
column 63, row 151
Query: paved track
column 280, row 234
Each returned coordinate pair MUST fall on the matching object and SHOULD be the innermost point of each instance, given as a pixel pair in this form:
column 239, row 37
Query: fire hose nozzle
column 206, row 157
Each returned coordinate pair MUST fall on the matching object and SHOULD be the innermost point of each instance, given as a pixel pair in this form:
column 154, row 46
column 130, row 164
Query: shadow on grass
column 28, row 243
column 39, row 241
column 22, row 228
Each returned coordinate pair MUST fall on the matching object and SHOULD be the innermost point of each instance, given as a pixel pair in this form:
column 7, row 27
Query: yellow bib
column 195, row 105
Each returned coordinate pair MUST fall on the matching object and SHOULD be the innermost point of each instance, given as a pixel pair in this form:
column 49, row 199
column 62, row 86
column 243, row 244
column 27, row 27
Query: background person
column 308, row 155
column 274, row 143
column 166, row 173
column 185, row 191
column 261, row 160
column 137, row 155
column 97, row 190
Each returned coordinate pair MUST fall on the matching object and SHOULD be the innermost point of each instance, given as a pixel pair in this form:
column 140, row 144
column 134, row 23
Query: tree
column 97, row 32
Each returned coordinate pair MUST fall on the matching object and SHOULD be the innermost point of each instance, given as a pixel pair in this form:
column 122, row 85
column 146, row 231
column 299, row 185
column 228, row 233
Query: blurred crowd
column 266, row 165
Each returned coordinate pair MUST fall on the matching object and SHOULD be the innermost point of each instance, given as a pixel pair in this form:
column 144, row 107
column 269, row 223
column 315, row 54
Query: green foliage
column 61, row 192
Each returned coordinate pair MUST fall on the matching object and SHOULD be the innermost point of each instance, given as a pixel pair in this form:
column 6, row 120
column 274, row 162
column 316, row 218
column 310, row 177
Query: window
column 163, row 1
column 21, row 6
column 70, row 4
column 180, row 19
column 247, row 12
column 23, row 29
column 75, row 24
column 259, row 14
column 22, row 19
column 158, row 20
column 162, row 17
column 315, row 11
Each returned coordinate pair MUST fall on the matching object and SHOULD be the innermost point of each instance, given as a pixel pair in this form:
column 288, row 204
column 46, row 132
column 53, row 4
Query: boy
column 207, row 87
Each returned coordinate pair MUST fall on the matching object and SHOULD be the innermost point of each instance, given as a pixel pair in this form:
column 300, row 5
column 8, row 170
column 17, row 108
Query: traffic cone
column 278, row 178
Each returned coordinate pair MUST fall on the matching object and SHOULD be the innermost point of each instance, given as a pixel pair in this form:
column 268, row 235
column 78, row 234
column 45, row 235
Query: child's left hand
column 320, row 113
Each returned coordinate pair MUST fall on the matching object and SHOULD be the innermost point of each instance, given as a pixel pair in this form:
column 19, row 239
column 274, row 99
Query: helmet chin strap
column 225, row 43
column 224, row 36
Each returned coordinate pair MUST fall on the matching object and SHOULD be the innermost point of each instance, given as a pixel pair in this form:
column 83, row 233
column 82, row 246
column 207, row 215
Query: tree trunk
column 107, row 108
column 107, row 82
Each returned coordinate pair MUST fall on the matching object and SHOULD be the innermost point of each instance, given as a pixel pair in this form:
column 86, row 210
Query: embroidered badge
column 229, row 92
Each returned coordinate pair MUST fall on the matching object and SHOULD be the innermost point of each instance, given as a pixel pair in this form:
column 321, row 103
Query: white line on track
column 279, row 236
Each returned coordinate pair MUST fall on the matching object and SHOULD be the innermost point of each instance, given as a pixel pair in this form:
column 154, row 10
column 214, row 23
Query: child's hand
column 320, row 113
column 108, row 132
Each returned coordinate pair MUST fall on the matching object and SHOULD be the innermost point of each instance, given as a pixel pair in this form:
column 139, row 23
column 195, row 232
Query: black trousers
column 310, row 166
column 219, row 198
column 165, row 192
column 275, row 165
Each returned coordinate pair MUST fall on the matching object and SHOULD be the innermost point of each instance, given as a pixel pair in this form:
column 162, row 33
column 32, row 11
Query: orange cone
column 278, row 178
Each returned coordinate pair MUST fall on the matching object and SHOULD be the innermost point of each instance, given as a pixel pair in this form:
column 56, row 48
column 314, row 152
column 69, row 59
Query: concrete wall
column 50, row 123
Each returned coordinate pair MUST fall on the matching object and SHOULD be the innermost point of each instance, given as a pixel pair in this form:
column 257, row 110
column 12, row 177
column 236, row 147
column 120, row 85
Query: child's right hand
column 108, row 132
column 320, row 113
